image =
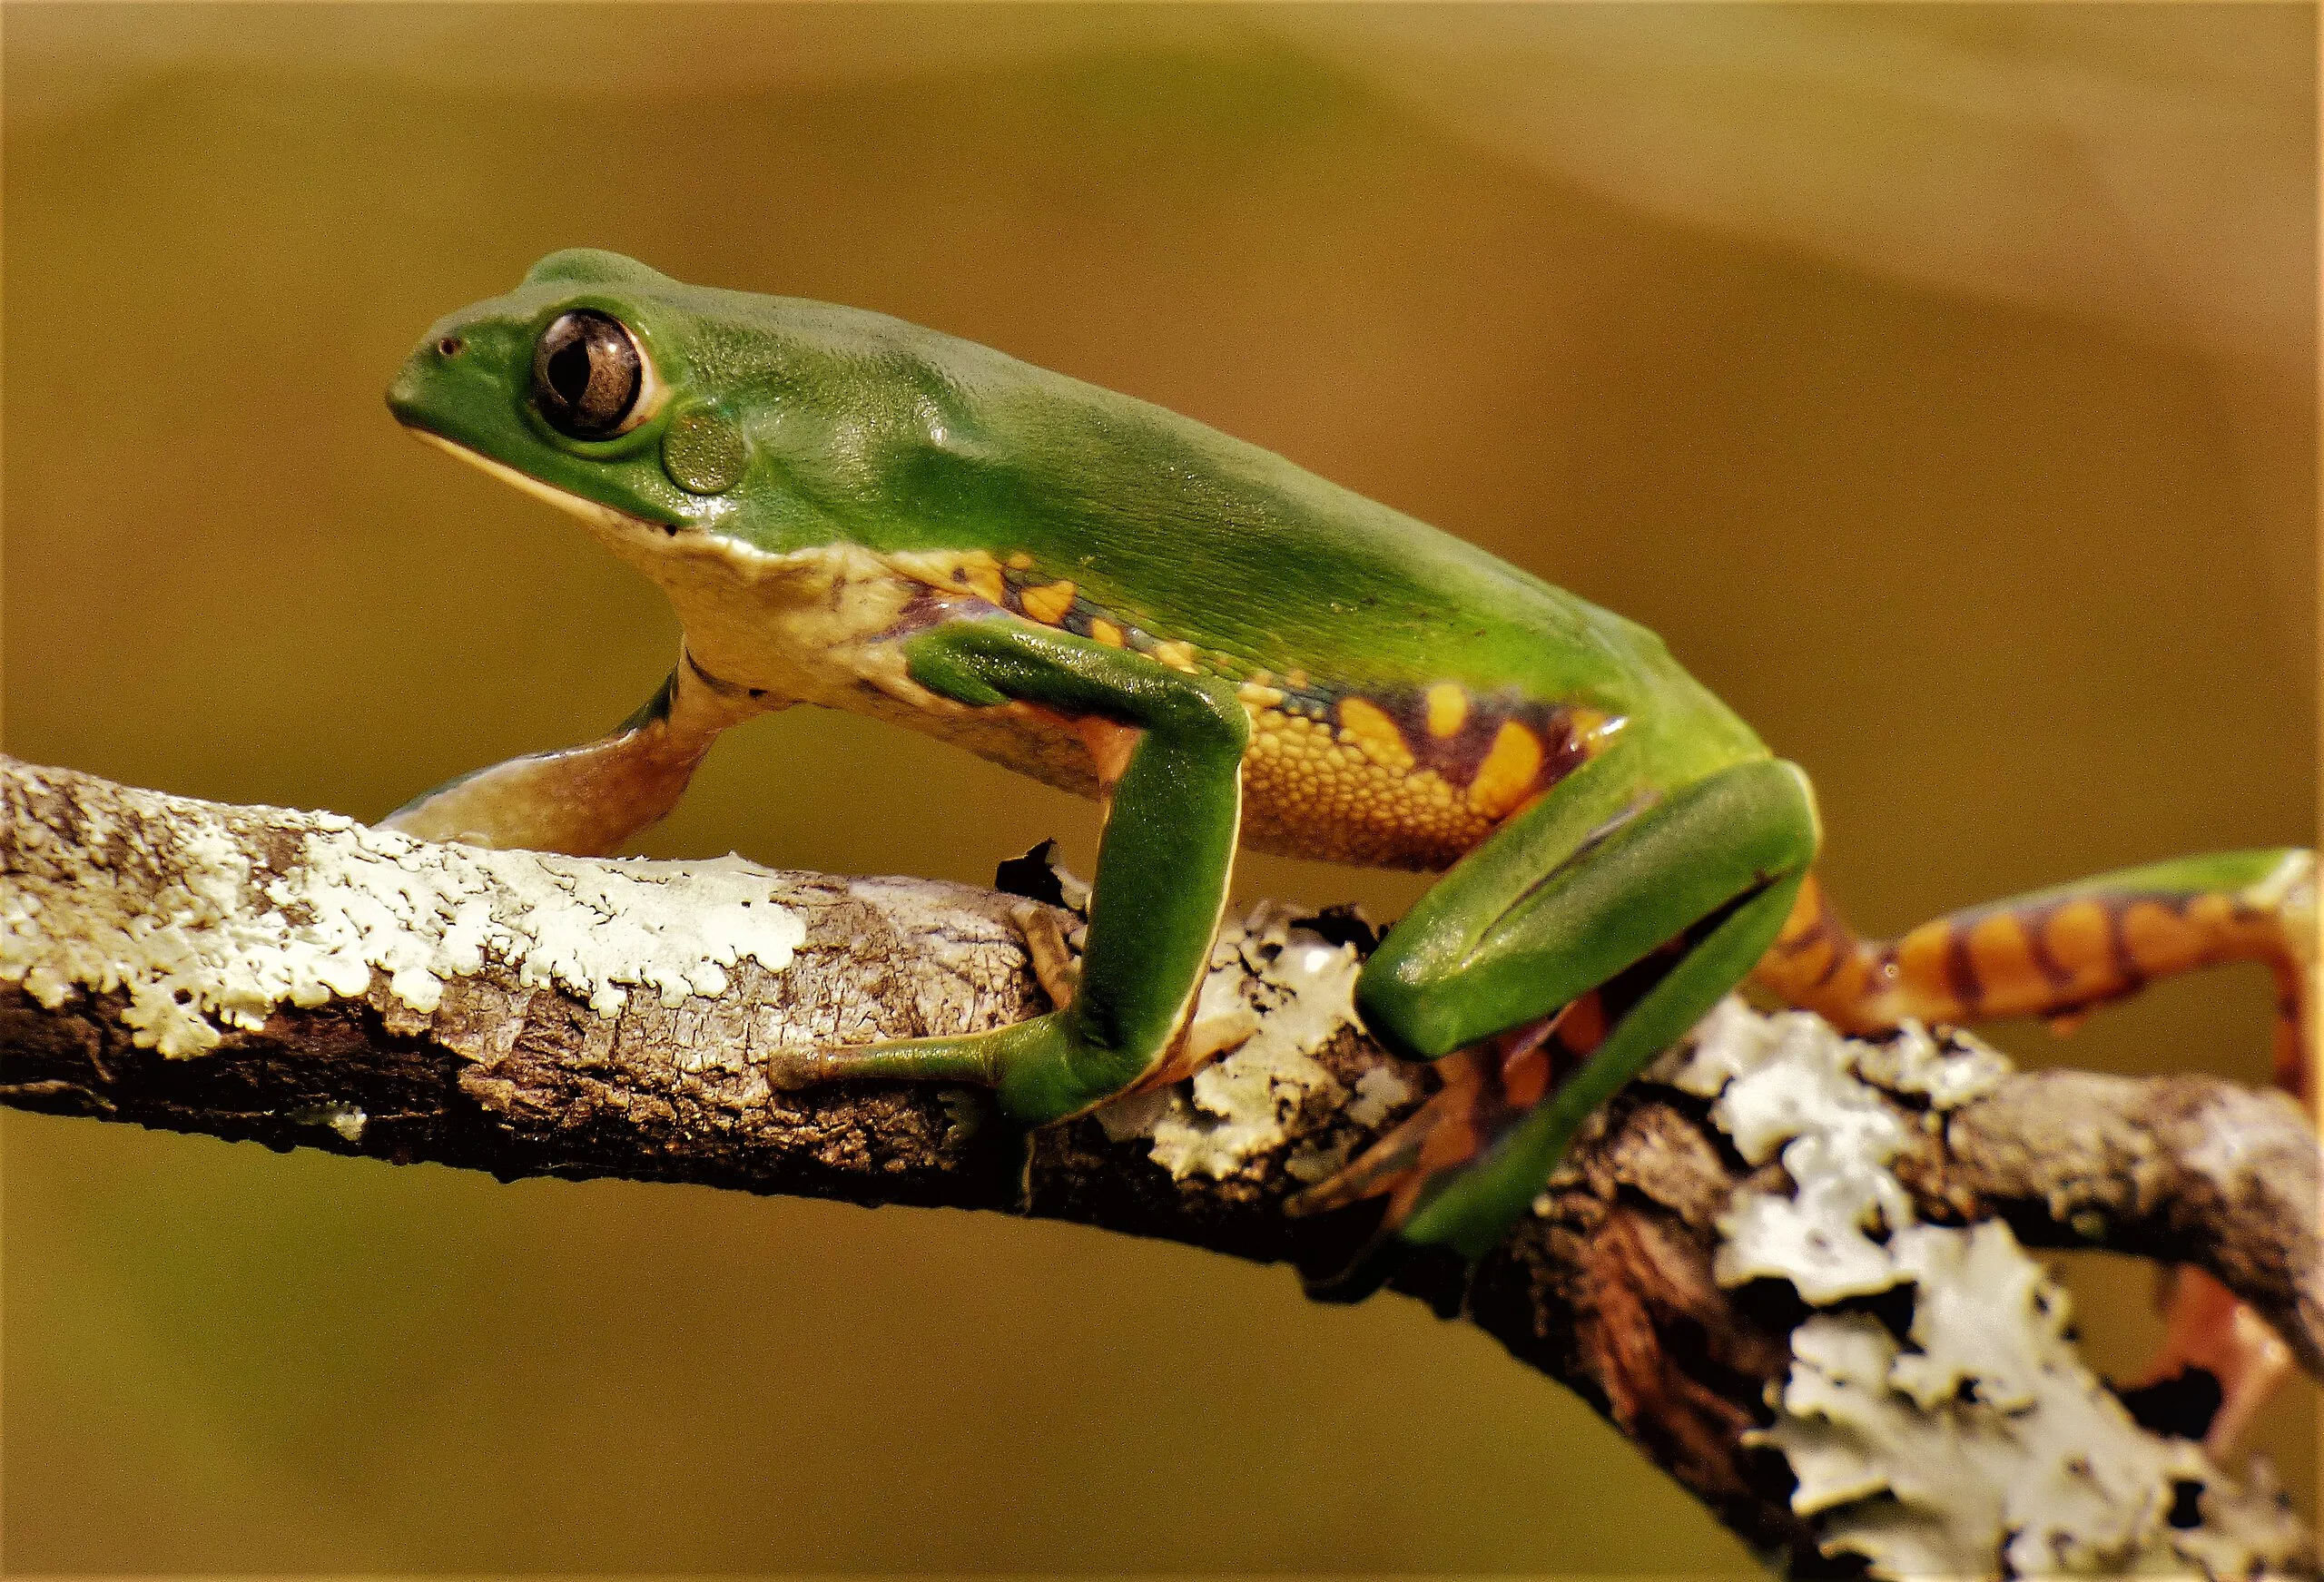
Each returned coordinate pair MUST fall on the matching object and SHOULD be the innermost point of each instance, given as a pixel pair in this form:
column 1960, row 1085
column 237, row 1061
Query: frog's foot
column 1483, row 1092
column 1049, row 951
column 1043, row 1069
column 971, row 1059
column 1628, row 909
column 2211, row 1330
column 1482, row 1089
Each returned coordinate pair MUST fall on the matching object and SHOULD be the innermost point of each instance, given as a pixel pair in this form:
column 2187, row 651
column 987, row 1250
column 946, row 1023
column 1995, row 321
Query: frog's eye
column 587, row 375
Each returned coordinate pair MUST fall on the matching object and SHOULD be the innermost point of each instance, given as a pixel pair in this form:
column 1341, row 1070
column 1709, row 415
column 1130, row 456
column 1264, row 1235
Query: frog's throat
column 804, row 624
column 604, row 517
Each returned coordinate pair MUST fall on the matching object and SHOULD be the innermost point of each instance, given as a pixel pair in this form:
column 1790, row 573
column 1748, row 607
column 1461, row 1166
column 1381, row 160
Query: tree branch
column 1786, row 1266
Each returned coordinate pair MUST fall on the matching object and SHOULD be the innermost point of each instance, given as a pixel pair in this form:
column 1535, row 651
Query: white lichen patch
column 2065, row 1483
column 1979, row 1446
column 1300, row 991
column 1732, row 1041
column 1988, row 1319
column 2247, row 1529
column 209, row 942
column 1378, row 1093
column 1911, row 1061
column 1789, row 1085
column 1134, row 1114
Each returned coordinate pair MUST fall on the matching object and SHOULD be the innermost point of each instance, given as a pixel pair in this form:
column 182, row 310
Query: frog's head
column 649, row 406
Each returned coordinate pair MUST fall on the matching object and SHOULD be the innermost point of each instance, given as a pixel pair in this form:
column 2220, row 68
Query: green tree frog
column 1224, row 649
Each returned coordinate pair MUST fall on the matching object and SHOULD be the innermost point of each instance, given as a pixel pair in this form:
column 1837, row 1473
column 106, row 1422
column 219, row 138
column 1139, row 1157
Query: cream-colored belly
column 828, row 626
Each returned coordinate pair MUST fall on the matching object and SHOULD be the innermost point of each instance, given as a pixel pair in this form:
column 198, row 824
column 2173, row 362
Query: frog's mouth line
column 594, row 513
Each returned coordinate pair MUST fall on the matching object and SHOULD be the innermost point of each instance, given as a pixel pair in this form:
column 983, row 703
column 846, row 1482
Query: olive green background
column 1939, row 382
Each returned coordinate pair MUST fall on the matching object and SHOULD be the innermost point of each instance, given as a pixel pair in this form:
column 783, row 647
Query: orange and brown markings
column 1399, row 779
column 980, row 581
column 2055, row 957
column 1385, row 777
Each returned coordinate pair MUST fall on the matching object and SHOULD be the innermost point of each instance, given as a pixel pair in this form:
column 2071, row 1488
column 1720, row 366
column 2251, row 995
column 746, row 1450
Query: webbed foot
column 2210, row 1328
column 1484, row 1092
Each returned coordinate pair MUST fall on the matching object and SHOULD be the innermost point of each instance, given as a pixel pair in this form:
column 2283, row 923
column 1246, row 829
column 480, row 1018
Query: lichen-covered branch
column 1787, row 1265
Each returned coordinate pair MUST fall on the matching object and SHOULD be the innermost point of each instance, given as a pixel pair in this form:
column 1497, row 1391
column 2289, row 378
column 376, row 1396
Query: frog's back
column 1407, row 690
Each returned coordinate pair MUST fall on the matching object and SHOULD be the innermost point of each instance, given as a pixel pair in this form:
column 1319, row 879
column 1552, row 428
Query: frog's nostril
column 450, row 346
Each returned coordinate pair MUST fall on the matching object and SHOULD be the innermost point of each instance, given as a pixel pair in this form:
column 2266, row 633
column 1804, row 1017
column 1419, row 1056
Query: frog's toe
column 1485, row 1091
column 971, row 1059
column 1444, row 1133
column 1441, row 1133
column 793, row 1069
column 2210, row 1332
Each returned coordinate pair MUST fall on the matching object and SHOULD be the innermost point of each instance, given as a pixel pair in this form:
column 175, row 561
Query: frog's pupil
column 569, row 371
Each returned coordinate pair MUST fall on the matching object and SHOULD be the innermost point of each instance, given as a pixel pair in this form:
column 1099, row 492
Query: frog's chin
column 605, row 518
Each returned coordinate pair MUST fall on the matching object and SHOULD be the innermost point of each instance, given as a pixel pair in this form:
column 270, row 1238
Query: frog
column 1225, row 651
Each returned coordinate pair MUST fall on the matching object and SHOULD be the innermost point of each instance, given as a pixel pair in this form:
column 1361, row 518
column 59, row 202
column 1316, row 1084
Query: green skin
column 778, row 427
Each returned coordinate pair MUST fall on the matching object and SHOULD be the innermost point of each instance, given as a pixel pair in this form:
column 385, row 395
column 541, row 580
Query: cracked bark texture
column 1607, row 1289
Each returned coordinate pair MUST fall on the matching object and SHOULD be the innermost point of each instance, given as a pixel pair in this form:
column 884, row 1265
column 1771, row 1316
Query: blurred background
column 1938, row 380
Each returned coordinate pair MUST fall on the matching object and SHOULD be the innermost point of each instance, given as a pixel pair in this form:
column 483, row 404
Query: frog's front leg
column 1623, row 907
column 1174, row 808
column 587, row 801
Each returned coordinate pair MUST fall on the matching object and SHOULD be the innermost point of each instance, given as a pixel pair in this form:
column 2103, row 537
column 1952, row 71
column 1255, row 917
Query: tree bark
column 299, row 980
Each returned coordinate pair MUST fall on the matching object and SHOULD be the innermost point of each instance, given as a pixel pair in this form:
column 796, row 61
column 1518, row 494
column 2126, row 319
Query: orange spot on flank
column 1048, row 603
column 1506, row 775
column 1448, row 709
column 1178, row 656
column 1107, row 632
column 981, row 575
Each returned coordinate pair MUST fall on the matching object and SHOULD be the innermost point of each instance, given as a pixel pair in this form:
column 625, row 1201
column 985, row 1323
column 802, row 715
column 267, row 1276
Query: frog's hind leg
column 2059, row 952
column 587, row 801
column 1627, row 913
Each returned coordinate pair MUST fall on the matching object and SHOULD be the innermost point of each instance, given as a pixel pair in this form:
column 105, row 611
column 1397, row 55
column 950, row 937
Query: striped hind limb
column 2059, row 952
column 587, row 801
